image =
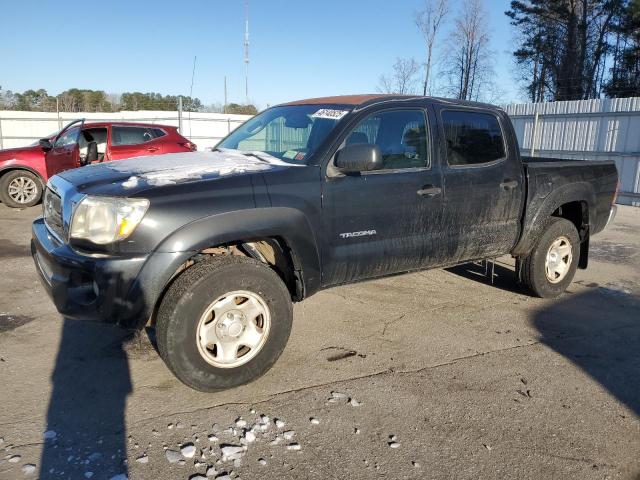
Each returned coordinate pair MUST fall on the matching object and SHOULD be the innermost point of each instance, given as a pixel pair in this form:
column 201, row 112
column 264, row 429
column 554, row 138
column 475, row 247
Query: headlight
column 106, row 220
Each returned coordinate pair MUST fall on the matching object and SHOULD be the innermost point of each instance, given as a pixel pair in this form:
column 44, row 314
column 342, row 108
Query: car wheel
column 223, row 323
column 550, row 267
column 20, row 189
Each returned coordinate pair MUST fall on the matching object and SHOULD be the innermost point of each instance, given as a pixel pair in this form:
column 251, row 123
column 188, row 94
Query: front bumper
column 111, row 289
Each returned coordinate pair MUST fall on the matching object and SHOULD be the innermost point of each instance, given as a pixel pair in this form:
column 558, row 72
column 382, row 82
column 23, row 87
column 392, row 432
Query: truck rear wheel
column 20, row 189
column 550, row 267
column 223, row 323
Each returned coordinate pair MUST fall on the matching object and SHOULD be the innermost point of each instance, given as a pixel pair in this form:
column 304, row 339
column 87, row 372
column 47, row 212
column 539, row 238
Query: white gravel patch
column 188, row 450
column 173, row 456
column 232, row 452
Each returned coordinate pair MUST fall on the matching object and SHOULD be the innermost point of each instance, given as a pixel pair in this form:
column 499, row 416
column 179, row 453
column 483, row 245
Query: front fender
column 540, row 208
column 289, row 224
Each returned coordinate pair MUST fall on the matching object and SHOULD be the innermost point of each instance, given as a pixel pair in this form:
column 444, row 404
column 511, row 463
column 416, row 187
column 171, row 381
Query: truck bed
column 553, row 181
column 561, row 162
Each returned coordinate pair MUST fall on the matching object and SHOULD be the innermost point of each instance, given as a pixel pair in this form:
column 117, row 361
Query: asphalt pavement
column 440, row 374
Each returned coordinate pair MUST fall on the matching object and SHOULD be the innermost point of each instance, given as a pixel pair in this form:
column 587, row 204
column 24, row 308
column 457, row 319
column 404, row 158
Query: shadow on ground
column 91, row 382
column 599, row 331
column 504, row 277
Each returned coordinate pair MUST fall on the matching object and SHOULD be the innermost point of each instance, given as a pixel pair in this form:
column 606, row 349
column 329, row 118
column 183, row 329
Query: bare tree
column 403, row 80
column 469, row 65
column 429, row 20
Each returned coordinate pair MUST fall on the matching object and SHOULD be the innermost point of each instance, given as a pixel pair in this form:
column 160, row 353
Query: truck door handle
column 509, row 184
column 152, row 149
column 429, row 191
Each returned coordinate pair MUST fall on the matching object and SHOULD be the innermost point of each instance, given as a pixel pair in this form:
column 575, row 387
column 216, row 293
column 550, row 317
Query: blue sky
column 298, row 48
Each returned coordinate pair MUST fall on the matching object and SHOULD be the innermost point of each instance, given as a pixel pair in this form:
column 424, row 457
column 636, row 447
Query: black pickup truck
column 211, row 248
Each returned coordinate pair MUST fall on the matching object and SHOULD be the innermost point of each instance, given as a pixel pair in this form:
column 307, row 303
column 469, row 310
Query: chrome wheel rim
column 22, row 190
column 559, row 257
column 233, row 329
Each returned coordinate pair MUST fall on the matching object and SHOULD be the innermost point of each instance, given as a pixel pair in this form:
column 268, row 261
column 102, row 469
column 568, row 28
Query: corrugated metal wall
column 587, row 130
column 18, row 129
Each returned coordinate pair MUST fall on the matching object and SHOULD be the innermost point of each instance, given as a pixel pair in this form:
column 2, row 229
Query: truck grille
column 52, row 208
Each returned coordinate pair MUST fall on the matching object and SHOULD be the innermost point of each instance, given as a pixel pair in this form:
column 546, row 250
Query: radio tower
column 246, row 51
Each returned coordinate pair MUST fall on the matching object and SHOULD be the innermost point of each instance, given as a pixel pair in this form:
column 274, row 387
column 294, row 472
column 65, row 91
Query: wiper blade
column 255, row 155
column 266, row 158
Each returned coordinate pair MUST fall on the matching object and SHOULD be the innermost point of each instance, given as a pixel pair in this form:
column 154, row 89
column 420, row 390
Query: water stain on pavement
column 9, row 249
column 611, row 252
column 342, row 354
column 10, row 322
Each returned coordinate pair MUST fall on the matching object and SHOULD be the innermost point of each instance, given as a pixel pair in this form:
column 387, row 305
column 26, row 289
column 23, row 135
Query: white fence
column 586, row 130
column 18, row 129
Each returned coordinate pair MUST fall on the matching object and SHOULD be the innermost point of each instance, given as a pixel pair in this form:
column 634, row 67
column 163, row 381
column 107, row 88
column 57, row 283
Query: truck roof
column 360, row 100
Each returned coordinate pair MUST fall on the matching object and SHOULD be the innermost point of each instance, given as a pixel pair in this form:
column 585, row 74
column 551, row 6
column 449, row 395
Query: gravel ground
column 437, row 374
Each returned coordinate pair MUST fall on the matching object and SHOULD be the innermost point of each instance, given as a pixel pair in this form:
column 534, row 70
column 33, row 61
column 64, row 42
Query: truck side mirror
column 359, row 157
column 45, row 143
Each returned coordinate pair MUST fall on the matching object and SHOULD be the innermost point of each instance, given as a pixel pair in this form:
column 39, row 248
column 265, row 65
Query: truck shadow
column 598, row 330
column 91, row 382
column 504, row 277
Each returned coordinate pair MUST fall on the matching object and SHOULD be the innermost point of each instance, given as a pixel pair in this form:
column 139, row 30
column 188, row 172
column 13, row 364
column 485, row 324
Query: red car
column 25, row 171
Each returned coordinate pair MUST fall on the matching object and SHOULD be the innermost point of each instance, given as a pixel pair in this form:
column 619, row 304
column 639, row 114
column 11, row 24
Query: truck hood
column 127, row 177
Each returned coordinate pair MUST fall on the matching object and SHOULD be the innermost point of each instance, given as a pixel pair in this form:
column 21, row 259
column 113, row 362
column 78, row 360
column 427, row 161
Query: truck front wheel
column 223, row 322
column 549, row 269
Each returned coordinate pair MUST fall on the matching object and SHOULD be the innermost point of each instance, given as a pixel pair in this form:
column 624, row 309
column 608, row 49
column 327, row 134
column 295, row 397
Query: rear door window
column 472, row 138
column 133, row 135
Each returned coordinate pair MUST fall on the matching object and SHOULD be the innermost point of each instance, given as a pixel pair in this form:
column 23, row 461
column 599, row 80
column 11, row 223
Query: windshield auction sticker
column 330, row 113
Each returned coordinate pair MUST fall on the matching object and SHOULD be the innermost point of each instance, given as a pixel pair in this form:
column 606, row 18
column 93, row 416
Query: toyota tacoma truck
column 212, row 248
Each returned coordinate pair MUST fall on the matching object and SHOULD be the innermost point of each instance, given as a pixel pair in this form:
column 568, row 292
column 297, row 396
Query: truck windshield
column 291, row 132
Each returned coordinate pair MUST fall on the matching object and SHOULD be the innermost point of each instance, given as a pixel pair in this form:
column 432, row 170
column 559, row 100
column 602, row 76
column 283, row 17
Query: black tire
column 533, row 267
column 191, row 294
column 10, row 177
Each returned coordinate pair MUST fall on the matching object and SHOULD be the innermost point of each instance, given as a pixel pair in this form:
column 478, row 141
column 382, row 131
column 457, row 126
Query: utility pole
column 224, row 107
column 246, row 51
column 58, row 113
column 180, row 114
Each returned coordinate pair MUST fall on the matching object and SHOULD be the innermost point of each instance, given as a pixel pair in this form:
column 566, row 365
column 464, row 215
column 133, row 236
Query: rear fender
column 539, row 210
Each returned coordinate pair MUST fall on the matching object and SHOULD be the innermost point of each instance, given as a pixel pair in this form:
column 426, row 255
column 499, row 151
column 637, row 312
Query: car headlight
column 105, row 220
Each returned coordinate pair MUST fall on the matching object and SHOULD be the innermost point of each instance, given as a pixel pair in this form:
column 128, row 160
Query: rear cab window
column 472, row 138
